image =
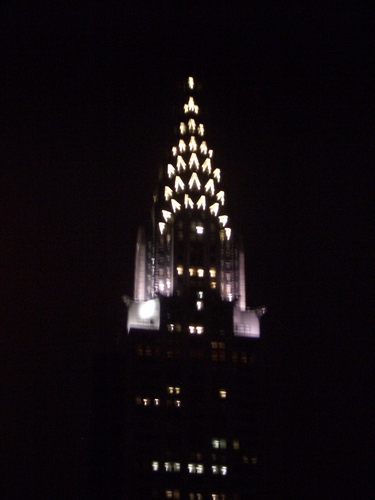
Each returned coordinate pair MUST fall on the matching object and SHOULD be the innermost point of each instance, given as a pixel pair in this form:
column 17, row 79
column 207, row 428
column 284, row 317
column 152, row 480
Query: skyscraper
column 191, row 345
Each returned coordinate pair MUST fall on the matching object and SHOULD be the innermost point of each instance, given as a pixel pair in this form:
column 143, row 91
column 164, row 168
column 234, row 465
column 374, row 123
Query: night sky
column 87, row 115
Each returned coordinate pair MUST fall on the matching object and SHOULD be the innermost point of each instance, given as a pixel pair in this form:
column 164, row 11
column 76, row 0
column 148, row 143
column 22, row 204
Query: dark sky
column 87, row 99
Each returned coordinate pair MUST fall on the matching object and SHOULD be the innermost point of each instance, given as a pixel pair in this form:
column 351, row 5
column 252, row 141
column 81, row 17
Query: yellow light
column 220, row 197
column 210, row 186
column 175, row 205
column 191, row 82
column 167, row 193
column 203, row 148
column 171, row 170
column 223, row 219
column 201, row 203
column 194, row 179
column 206, row 165
column 182, row 128
column 192, row 144
column 200, row 129
column 178, row 184
column 214, row 209
column 193, row 161
column 216, row 174
column 181, row 165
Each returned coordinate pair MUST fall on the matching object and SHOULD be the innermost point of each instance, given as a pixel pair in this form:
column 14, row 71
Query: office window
column 168, row 466
column 155, row 466
column 170, row 390
column 212, row 273
column 200, row 295
column 168, row 494
column 213, row 284
column 199, row 329
column 223, row 443
column 200, row 273
column 191, row 468
column 199, row 305
column 138, row 400
column 223, row 394
column 177, row 403
column 156, row 402
column 223, row 470
column 146, row 401
column 215, row 443
column 199, row 229
column 176, row 466
column 215, row 469
column 200, row 469
column 180, row 270
column 236, row 445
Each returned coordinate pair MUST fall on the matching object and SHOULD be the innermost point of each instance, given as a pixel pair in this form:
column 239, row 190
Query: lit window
column 213, row 496
column 199, row 496
column 200, row 129
column 170, row 390
column 168, row 494
column 223, row 219
column 206, row 165
column 201, row 203
column 203, row 148
column 215, row 443
column 210, row 187
column 194, row 180
column 199, row 468
column 228, row 233
column 146, row 401
column 168, row 193
column 181, row 165
column 220, row 196
column 182, row 128
column 180, row 270
column 200, row 273
column 223, row 470
column 182, row 146
column 191, row 468
column 216, row 174
column 188, row 202
column 175, row 206
column 168, row 466
column 210, row 153
column 190, row 106
column 223, row 443
column 223, row 394
column 214, row 209
column 178, row 184
column 245, row 459
column 199, row 305
column 138, row 400
column 213, row 284
column 199, row 229
column 215, row 469
column 161, row 227
column 193, row 162
column 177, row 390
column 191, row 496
column 155, row 466
column 191, row 125
column 212, row 272
column 192, row 144
column 191, row 271
column 200, row 295
column 191, row 329
column 167, row 215
column 171, row 171
column 176, row 466
column 177, row 403
column 236, row 445
column 176, row 495
column 191, row 82
column 156, row 402
column 170, row 327
column 199, row 329
column 174, row 150
column 254, row 460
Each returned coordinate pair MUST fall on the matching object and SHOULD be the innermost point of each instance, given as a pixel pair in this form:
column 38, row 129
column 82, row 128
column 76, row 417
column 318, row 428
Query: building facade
column 191, row 345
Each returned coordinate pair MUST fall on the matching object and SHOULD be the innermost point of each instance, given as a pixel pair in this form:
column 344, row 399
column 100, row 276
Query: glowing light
column 156, row 402
column 191, row 329
column 155, row 466
column 200, row 469
column 161, row 227
column 210, row 186
column 194, row 180
column 192, row 144
column 193, row 161
column 182, row 146
column 206, row 165
column 182, row 128
column 200, row 273
column 191, row 106
column 220, row 197
column 212, row 272
column 223, row 470
column 168, row 193
column 175, row 206
column 201, row 203
column 210, row 153
column 223, row 219
column 228, row 232
column 171, row 171
column 188, row 202
column 199, row 305
column 191, row 468
column 203, row 148
column 176, row 466
column 191, row 82
column 199, row 229
column 181, row 165
column 223, row 394
column 200, row 129
column 180, row 270
column 166, row 214
column 168, row 466
column 191, row 125
column 174, row 150
column 214, row 209
column 178, row 184
column 216, row 174
column 177, row 403
column 215, row 469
